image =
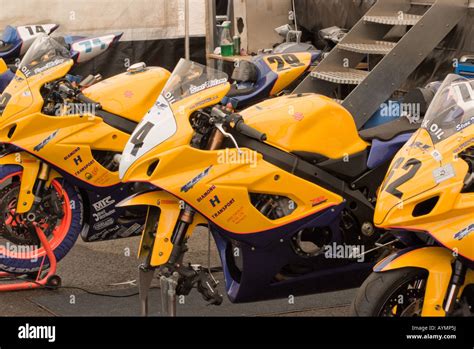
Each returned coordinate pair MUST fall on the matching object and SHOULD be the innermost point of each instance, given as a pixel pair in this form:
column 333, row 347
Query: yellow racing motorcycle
column 287, row 189
column 429, row 196
column 58, row 156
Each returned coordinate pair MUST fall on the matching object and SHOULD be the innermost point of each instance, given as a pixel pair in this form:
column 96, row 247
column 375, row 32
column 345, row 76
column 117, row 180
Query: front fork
column 457, row 281
column 176, row 278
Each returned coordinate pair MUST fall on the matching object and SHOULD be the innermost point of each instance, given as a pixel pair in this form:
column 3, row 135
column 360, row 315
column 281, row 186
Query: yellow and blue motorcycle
column 287, row 189
column 58, row 156
column 429, row 196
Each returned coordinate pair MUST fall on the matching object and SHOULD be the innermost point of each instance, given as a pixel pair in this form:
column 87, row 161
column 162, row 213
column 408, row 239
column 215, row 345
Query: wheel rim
column 57, row 234
column 406, row 300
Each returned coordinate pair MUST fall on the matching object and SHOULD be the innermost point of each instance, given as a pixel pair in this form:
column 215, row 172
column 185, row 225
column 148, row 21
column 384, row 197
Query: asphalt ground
column 101, row 268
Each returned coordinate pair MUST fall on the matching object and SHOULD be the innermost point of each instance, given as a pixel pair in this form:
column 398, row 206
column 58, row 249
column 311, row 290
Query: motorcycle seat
column 245, row 71
column 389, row 131
column 236, row 91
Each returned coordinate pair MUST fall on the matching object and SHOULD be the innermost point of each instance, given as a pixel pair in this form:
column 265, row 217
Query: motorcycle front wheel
column 395, row 293
column 61, row 213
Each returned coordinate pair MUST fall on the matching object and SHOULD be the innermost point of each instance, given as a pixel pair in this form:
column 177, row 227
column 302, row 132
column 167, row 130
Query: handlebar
column 249, row 131
column 86, row 100
column 239, row 124
column 70, row 92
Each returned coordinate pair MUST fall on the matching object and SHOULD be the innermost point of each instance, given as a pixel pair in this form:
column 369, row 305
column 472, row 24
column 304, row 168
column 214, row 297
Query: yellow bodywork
column 130, row 95
column 437, row 261
column 287, row 71
column 67, row 141
column 424, row 171
column 30, row 166
column 453, row 212
column 3, row 66
column 159, row 241
column 307, row 123
column 222, row 193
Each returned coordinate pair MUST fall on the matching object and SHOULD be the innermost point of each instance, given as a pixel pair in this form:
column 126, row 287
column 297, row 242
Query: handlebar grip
column 84, row 99
column 245, row 129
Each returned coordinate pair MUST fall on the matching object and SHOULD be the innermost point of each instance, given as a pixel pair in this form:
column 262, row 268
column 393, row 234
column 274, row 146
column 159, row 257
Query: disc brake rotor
column 18, row 228
column 407, row 301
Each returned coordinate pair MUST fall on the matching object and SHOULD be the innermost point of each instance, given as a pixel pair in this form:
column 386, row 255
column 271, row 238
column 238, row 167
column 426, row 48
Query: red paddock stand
column 20, row 283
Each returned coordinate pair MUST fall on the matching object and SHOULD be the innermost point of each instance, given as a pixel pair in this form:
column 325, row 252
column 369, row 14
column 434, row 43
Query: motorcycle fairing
column 158, row 242
column 448, row 216
column 105, row 219
column 274, row 74
column 30, row 166
column 85, row 49
column 271, row 251
column 437, row 261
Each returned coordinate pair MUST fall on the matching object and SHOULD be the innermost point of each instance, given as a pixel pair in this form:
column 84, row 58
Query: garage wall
column 153, row 29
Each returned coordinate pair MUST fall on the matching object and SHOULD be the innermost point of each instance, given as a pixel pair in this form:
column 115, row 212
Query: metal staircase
column 421, row 24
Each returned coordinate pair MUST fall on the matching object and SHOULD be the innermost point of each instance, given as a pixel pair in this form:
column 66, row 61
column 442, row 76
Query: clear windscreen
column 159, row 124
column 452, row 109
column 189, row 78
column 45, row 53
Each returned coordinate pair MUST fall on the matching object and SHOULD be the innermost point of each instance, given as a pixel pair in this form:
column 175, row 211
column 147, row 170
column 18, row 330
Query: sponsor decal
column 444, row 173
column 298, row 116
column 437, row 155
column 319, row 201
column 167, row 202
column 465, row 124
column 104, row 224
column 215, row 201
column 71, row 154
column 135, row 229
column 30, row 71
column 464, row 233
column 464, row 145
column 238, row 216
column 99, row 216
column 420, row 145
column 434, row 129
column 206, row 194
column 208, row 84
column 84, row 168
column 104, row 203
column 224, row 208
column 201, row 103
column 195, row 180
column 46, row 141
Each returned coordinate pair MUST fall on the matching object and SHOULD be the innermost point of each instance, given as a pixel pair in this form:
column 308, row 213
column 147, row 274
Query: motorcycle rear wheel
column 22, row 254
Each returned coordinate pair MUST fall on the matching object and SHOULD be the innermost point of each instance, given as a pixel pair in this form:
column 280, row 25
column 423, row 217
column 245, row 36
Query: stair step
column 346, row 76
column 422, row 2
column 405, row 19
column 374, row 48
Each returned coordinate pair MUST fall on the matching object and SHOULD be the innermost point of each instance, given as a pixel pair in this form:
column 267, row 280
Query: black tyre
column 62, row 232
column 395, row 293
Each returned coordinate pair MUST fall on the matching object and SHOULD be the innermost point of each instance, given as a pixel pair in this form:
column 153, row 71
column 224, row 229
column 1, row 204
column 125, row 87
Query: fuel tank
column 130, row 95
column 307, row 123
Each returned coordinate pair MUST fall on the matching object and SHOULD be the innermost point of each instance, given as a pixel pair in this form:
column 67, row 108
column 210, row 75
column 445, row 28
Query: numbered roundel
column 28, row 33
column 87, row 49
column 158, row 125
